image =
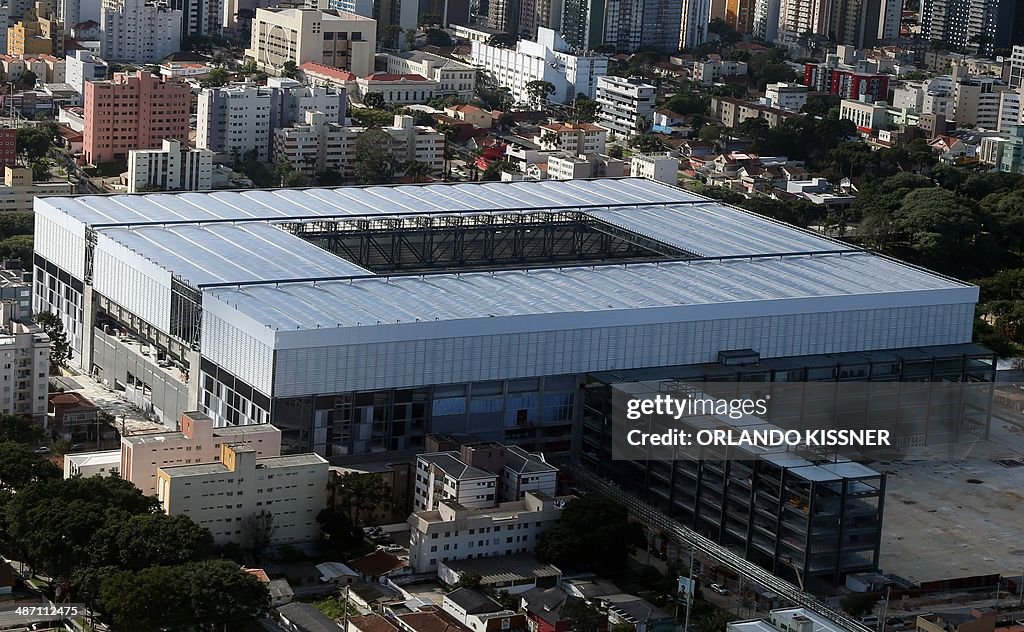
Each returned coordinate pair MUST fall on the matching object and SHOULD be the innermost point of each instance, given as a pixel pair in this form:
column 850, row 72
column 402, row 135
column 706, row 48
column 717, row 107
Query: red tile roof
column 328, row 71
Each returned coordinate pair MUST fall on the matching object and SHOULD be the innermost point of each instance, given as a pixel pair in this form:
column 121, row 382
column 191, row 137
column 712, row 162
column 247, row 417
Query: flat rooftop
column 235, row 248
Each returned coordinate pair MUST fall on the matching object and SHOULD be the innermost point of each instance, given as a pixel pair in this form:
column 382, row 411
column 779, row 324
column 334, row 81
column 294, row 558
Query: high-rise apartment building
column 241, row 118
column 334, row 38
column 140, row 31
column 81, row 66
column 401, row 13
column 583, row 23
column 173, row 167
column 1017, row 67
column 740, row 14
column 200, row 17
column 625, row 104
column 766, row 19
column 25, row 366
column 693, row 25
column 133, row 111
column 865, row 23
column 797, row 17
column 980, row 25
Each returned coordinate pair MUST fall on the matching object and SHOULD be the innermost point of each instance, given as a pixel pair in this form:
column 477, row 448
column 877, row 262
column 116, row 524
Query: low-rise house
column 667, row 122
column 471, row 114
column 660, row 167
column 378, row 565
column 563, row 166
column 304, row 617
column 73, row 417
column 87, row 464
column 641, row 614
column 371, row 623
column 514, row 574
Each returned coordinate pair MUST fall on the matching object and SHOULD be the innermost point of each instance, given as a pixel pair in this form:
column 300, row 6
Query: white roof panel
column 406, row 299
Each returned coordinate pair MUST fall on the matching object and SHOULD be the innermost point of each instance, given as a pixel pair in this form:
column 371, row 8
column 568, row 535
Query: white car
column 42, row 450
column 721, row 590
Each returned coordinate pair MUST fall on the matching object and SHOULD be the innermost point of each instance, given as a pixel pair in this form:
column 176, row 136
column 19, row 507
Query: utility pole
column 885, row 608
column 1021, row 582
column 689, row 593
column 344, row 624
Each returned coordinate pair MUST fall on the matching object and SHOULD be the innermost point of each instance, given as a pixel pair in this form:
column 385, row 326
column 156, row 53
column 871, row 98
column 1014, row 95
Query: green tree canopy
column 60, row 348
column 938, row 224
column 374, row 162
column 19, row 465
column 589, row 524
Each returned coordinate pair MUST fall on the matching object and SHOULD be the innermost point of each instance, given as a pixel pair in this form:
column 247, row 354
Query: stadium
column 360, row 319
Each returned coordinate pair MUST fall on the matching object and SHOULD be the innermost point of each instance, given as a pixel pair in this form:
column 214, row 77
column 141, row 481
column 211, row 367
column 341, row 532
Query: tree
column 250, row 67
column 938, row 224
column 374, row 100
column 20, row 466
column 329, row 178
column 338, row 531
column 289, row 69
column 152, row 539
column 19, row 430
column 647, row 143
column 358, row 493
column 588, row 524
column 388, row 35
column 493, row 172
column 33, row 143
column 539, row 90
column 217, row 78
column 28, row 79
column 470, row 580
column 374, row 162
column 501, row 40
column 16, row 223
column 418, row 171
column 204, row 595
column 584, row 109
column 40, row 170
column 583, row 616
column 859, row 604
column 60, row 348
column 616, row 151
column 437, row 37
column 18, row 247
column 258, row 531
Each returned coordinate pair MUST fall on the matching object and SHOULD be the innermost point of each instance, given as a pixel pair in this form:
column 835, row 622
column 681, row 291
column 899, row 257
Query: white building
column 81, row 66
column 321, row 145
column 1010, row 108
column 455, row 532
column 173, row 167
column 572, row 138
column 454, row 78
column 693, row 27
column 865, row 115
column 86, row 464
column 444, row 476
column 225, row 496
column 714, row 68
column 786, row 620
column 197, row 441
column 570, row 167
column 140, row 31
column 241, row 118
column 498, row 351
column 398, row 89
column 788, row 96
column 334, row 38
column 625, row 104
column 25, row 366
column 1016, row 79
column 547, row 59
column 658, row 167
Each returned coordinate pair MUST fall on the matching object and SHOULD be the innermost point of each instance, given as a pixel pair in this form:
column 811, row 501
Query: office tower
column 977, row 25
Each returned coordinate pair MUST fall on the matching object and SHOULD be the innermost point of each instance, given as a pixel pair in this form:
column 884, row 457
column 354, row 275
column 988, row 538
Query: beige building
column 471, row 114
column 976, row 102
column 18, row 189
column 224, row 496
column 333, row 38
column 197, row 442
column 454, row 78
column 574, row 138
column 454, row 532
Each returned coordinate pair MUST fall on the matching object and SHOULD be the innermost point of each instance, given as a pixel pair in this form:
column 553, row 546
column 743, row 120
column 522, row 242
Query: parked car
column 42, row 450
column 77, row 447
column 721, row 590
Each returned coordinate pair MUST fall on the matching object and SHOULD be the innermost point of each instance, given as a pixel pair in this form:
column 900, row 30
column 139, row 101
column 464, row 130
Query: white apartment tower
column 139, row 31
column 173, row 167
column 626, row 104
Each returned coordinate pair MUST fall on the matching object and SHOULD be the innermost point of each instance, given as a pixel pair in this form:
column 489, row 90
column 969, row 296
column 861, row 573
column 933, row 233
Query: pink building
column 133, row 111
column 197, row 442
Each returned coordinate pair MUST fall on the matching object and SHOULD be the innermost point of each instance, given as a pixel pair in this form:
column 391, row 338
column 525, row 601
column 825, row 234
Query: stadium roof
column 235, row 241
